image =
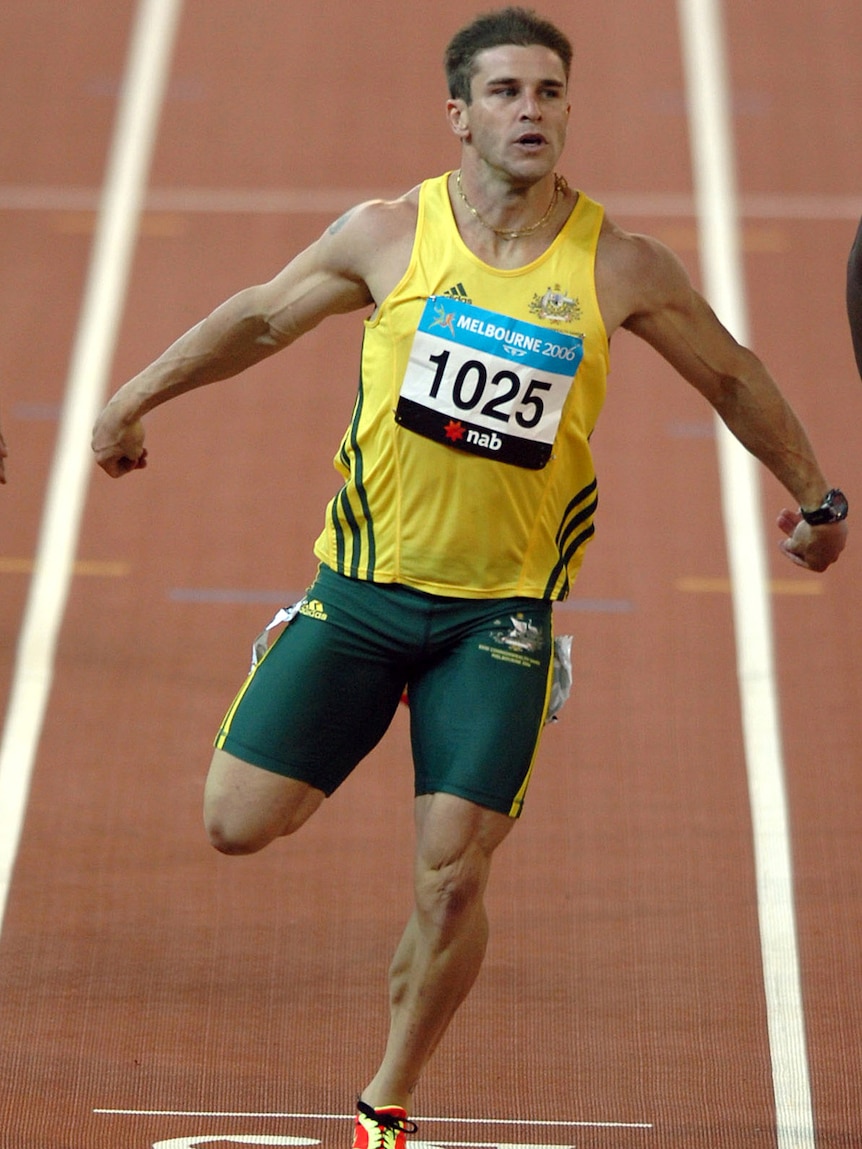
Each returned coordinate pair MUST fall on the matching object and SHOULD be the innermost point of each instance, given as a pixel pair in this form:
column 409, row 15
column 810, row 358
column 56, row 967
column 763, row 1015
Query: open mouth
column 531, row 140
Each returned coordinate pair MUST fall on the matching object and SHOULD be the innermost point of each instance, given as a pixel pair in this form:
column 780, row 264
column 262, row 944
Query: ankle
column 386, row 1099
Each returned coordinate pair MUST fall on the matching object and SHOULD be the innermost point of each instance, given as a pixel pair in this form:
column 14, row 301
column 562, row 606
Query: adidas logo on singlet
column 458, row 291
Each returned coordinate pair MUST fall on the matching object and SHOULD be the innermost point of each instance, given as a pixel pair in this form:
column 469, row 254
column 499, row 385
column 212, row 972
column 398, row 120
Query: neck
column 539, row 221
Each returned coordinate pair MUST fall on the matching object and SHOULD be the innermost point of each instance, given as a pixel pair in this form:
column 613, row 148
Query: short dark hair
column 521, row 26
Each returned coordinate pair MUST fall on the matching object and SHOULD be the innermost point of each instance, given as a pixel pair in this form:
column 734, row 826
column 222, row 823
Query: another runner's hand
column 121, row 449
column 813, row 547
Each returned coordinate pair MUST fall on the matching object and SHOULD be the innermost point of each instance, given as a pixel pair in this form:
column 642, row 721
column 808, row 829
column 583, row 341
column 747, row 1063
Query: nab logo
column 489, row 440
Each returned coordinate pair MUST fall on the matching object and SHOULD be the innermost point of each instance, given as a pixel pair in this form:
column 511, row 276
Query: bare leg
column 441, row 950
column 246, row 807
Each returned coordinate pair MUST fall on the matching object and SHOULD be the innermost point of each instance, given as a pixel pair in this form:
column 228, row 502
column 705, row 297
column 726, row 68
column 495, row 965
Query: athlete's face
column 518, row 114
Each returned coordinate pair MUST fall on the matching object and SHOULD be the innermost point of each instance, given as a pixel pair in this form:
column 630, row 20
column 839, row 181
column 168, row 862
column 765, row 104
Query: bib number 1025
column 493, row 397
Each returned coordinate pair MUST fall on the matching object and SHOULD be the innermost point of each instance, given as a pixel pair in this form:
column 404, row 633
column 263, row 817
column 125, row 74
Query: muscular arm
column 854, row 295
column 328, row 278
column 662, row 307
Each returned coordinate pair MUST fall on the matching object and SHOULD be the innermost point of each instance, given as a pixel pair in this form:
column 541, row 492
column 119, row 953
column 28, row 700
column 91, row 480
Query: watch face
column 833, row 509
column 838, row 503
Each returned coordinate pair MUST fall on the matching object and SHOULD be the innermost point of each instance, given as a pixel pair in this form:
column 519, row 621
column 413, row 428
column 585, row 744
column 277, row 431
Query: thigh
column 323, row 694
column 245, row 807
column 478, row 708
column 455, row 842
column 448, row 827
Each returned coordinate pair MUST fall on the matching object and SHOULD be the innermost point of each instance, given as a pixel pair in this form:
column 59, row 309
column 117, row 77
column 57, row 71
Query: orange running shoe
column 385, row 1128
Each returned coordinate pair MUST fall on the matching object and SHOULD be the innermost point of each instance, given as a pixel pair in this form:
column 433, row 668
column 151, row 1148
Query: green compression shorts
column 477, row 673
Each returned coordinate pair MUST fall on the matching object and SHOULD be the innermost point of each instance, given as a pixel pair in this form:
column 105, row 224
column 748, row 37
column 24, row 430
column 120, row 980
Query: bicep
column 675, row 319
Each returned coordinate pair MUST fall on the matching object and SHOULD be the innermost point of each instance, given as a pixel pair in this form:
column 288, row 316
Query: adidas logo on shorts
column 314, row 609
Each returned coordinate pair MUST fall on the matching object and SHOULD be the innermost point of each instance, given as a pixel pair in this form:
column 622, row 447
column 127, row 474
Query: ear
column 458, row 115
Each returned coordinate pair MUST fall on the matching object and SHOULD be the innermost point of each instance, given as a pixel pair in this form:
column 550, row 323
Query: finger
column 116, row 468
column 788, row 521
column 786, row 548
column 812, row 558
column 132, row 463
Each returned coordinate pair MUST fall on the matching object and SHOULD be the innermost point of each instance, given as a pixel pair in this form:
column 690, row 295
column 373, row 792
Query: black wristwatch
column 833, row 509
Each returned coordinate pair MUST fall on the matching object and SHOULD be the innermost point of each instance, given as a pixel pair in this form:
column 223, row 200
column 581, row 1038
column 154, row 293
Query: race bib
column 487, row 383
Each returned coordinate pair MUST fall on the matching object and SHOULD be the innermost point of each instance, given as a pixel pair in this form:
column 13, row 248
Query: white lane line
column 350, row 1116
column 110, row 263
column 715, row 190
column 324, row 201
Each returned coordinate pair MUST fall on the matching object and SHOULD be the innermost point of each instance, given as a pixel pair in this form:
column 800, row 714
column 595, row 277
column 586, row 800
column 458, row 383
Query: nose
column 531, row 108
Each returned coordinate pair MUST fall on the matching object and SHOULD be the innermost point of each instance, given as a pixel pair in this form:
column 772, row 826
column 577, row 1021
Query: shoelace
column 387, row 1120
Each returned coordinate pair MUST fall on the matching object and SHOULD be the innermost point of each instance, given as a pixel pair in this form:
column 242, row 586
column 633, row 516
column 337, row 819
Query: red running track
column 141, row 973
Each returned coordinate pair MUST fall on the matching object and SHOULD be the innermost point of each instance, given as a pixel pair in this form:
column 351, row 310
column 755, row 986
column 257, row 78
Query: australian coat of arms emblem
column 556, row 306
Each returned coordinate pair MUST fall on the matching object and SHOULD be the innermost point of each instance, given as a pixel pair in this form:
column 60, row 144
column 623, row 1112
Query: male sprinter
column 468, row 497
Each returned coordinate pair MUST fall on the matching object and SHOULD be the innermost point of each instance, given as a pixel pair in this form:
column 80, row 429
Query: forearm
column 231, row 339
column 757, row 414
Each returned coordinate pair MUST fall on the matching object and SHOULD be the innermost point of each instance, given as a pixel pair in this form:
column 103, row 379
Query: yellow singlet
column 467, row 464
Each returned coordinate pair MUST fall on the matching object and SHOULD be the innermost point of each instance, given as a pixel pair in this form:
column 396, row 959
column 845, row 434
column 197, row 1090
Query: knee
column 232, row 836
column 446, row 893
column 236, row 828
column 456, row 843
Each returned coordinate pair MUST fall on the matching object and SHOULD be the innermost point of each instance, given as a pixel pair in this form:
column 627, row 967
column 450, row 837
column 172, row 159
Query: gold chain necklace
column 560, row 187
